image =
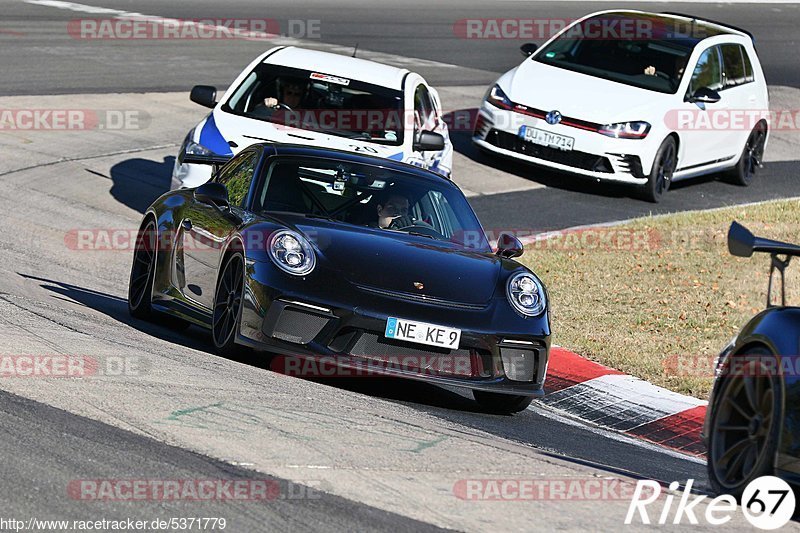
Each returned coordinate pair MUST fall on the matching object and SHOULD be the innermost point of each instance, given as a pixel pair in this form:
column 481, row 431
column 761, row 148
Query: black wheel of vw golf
column 501, row 403
column 752, row 155
column 228, row 305
column 140, row 286
column 663, row 167
column 744, row 428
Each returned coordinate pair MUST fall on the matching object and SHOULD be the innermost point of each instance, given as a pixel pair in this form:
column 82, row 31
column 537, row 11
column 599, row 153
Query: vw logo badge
column 553, row 117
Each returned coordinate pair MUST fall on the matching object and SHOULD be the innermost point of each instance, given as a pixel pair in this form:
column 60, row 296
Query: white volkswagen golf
column 299, row 96
column 633, row 97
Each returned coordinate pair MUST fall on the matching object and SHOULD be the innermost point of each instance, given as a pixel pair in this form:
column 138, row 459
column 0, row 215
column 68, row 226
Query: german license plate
column 422, row 333
column 546, row 138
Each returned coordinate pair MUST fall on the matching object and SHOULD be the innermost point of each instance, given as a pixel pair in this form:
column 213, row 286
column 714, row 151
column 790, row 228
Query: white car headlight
column 192, row 148
column 498, row 98
column 292, row 253
column 626, row 130
column 526, row 294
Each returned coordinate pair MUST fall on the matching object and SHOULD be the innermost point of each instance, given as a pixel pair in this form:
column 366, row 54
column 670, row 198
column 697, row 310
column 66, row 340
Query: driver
column 291, row 95
column 393, row 212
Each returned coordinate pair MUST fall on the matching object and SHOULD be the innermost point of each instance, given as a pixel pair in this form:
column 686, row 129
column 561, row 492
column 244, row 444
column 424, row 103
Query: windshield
column 652, row 54
column 316, row 101
column 369, row 196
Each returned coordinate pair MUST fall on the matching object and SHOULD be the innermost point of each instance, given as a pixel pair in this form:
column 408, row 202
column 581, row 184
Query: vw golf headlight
column 292, row 253
column 626, row 130
column 526, row 294
column 498, row 98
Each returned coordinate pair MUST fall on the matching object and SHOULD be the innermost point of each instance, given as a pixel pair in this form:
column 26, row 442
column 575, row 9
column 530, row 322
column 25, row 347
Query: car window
column 708, row 72
column 356, row 194
column 654, row 60
column 748, row 67
column 237, row 179
column 424, row 109
column 733, row 66
column 316, row 101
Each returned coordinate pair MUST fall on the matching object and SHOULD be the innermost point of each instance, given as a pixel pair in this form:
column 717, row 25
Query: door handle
column 187, row 224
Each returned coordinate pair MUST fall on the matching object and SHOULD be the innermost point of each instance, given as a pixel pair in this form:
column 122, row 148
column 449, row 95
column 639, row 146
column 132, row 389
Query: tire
column 143, row 274
column 750, row 161
column 501, row 403
column 143, row 271
column 227, row 310
column 744, row 428
column 664, row 165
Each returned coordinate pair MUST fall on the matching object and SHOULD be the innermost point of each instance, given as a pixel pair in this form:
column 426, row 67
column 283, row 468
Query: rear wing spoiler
column 216, row 161
column 742, row 243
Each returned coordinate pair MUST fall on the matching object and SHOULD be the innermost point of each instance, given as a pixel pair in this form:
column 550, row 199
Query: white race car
column 299, row 96
column 633, row 97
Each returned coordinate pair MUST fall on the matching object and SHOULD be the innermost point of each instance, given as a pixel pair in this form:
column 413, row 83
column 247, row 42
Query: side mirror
column 428, row 141
column 212, row 193
column 528, row 49
column 205, row 95
column 704, row 95
column 740, row 240
column 509, row 246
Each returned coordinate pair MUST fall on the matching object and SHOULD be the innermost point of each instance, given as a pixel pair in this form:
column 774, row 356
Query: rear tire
column 503, row 404
column 664, row 165
column 744, row 428
column 143, row 274
column 752, row 156
column 143, row 270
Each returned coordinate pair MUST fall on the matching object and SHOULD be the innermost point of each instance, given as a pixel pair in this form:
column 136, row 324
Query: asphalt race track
column 346, row 454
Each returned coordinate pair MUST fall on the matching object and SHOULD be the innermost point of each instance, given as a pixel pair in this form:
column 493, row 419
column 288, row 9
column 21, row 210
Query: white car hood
column 580, row 96
column 246, row 131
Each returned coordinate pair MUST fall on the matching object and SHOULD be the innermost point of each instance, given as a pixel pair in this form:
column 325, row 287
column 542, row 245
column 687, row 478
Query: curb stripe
column 566, row 369
column 611, row 399
column 680, row 431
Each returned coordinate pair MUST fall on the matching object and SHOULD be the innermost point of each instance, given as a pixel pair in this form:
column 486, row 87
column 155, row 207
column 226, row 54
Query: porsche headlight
column 526, row 294
column 292, row 253
column 626, row 130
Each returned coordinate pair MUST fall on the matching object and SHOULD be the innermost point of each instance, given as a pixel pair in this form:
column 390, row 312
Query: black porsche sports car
column 752, row 425
column 371, row 263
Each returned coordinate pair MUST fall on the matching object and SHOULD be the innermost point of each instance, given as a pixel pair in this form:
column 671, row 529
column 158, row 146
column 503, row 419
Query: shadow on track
column 137, row 182
column 117, row 309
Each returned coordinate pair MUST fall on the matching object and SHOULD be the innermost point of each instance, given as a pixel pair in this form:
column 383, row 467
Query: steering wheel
column 284, row 106
column 423, row 229
column 663, row 75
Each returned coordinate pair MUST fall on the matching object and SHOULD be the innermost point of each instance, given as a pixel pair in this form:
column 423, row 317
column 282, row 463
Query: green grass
column 665, row 287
